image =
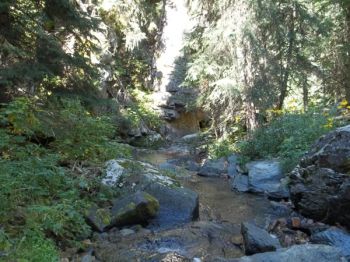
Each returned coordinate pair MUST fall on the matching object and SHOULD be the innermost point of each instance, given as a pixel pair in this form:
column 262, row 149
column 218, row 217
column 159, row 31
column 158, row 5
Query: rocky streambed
column 176, row 208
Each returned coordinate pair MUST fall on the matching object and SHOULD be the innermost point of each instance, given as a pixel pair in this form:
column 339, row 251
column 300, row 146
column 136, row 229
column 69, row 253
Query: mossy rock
column 137, row 208
column 99, row 218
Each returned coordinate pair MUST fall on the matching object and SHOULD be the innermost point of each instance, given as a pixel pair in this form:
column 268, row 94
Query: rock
column 126, row 232
column 296, row 223
column 168, row 167
column 169, row 114
column 334, row 237
column 281, row 209
column 257, row 240
column 265, row 177
column 298, row 253
column 232, row 166
column 213, row 168
column 99, row 218
column 202, row 239
column 192, row 166
column 321, row 194
column 177, row 205
column 137, row 208
column 114, row 171
column 320, row 186
column 186, row 163
column 190, row 137
column 240, row 183
column 331, row 151
column 87, row 258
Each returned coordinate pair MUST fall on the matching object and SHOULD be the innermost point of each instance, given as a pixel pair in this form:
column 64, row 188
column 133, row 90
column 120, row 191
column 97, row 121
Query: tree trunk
column 305, row 95
column 5, row 21
column 286, row 69
column 250, row 115
column 346, row 54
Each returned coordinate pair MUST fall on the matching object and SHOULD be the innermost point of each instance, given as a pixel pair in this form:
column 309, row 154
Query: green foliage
column 83, row 136
column 32, row 36
column 287, row 136
column 41, row 202
column 33, row 246
column 221, row 148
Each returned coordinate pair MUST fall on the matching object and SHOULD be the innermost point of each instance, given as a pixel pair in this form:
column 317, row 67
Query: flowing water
column 217, row 201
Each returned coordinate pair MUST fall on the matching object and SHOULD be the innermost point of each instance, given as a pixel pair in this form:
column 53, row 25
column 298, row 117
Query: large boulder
column 133, row 209
column 257, row 240
column 298, row 253
column 178, row 205
column 213, row 168
column 320, row 186
column 240, row 183
column 232, row 166
column 266, row 177
column 321, row 194
column 334, row 237
column 331, row 151
column 99, row 218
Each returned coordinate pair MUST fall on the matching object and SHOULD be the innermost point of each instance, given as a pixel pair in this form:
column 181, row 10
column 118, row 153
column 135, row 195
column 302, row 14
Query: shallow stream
column 217, row 201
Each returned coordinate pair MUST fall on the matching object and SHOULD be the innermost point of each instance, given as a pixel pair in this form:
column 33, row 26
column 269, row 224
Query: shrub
column 33, row 246
column 41, row 202
column 287, row 136
column 220, row 148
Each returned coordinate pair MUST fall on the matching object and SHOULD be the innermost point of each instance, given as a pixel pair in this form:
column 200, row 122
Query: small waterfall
column 169, row 96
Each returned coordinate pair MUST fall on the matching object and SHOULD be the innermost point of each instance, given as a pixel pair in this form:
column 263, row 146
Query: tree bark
column 347, row 53
column 250, row 114
column 286, row 69
column 305, row 95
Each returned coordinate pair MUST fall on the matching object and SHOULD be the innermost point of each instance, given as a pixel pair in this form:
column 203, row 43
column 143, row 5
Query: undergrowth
column 287, row 136
column 42, row 199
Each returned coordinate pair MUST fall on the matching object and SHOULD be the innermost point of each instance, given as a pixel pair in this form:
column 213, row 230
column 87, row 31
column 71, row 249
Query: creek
column 218, row 202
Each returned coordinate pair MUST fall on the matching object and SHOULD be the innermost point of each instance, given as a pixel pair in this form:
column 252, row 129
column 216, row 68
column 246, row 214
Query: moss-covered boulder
column 137, row 208
column 99, row 218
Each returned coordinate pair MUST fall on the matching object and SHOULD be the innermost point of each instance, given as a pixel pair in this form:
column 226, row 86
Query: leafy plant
column 287, row 136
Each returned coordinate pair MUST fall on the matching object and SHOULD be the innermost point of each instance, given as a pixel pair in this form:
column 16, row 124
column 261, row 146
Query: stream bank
column 201, row 218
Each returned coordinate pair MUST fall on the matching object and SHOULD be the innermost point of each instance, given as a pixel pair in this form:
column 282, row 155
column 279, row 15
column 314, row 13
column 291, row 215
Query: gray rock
column 186, row 163
column 169, row 114
column 202, row 239
column 240, row 183
column 168, row 167
column 99, row 218
column 298, row 253
column 280, row 209
column 114, row 171
column 133, row 209
column 331, row 151
column 320, row 186
column 321, row 194
column 126, row 231
column 334, row 237
column 87, row 258
column 213, row 168
column 190, row 137
column 257, row 240
column 232, row 166
column 177, row 205
column 264, row 176
column 192, row 166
